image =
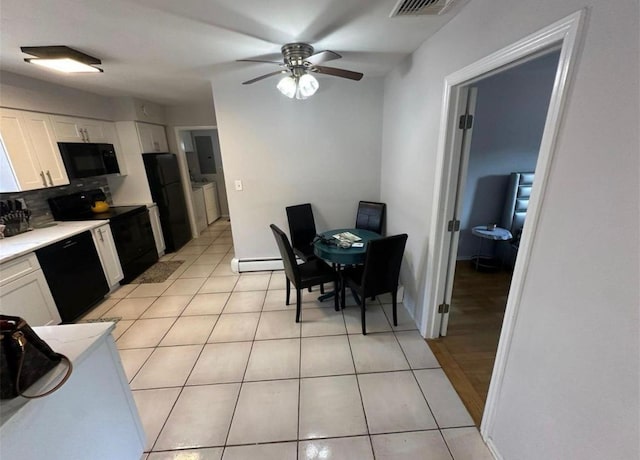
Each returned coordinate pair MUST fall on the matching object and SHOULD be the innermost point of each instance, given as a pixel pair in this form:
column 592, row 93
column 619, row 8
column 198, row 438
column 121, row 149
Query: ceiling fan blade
column 260, row 60
column 322, row 56
column 262, row 77
column 338, row 72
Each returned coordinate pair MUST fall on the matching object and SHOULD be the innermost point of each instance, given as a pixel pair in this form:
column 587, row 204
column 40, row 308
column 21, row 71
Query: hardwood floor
column 468, row 351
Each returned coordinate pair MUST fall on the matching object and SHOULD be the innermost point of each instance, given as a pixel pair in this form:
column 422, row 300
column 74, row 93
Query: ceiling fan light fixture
column 61, row 59
column 307, row 86
column 287, row 86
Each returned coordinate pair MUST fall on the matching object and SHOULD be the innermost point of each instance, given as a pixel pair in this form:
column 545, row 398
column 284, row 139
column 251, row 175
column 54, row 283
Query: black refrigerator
column 164, row 179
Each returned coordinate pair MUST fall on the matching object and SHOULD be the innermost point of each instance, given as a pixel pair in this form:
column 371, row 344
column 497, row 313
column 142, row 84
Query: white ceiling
column 166, row 50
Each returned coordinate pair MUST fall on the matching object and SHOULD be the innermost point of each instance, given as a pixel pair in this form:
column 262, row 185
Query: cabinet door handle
column 49, row 176
column 44, row 181
column 82, row 134
column 101, row 237
column 86, row 132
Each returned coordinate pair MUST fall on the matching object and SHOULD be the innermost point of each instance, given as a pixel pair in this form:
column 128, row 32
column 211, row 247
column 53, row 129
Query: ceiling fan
column 299, row 62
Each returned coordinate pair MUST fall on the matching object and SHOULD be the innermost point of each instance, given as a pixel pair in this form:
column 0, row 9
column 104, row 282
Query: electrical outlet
column 238, row 185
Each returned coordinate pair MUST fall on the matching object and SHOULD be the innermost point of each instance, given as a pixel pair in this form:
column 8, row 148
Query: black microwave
column 85, row 159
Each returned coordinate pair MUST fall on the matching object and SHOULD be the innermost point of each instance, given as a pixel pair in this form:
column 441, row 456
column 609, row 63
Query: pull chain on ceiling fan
column 299, row 62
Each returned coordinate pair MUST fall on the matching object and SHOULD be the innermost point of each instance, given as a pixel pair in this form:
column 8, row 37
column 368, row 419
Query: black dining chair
column 379, row 274
column 370, row 216
column 303, row 275
column 302, row 228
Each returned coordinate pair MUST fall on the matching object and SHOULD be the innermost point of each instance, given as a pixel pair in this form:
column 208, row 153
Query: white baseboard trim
column 256, row 265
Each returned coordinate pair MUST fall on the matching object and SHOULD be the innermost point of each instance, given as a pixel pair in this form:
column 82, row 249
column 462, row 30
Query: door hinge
column 466, row 121
column 453, row 225
column 443, row 308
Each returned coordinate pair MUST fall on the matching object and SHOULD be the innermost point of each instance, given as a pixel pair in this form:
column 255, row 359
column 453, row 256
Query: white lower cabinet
column 156, row 228
column 199, row 209
column 25, row 292
column 103, row 239
column 211, row 202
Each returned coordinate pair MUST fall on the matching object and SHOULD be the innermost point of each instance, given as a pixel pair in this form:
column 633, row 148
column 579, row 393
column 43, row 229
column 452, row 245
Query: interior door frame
column 465, row 105
column 184, row 169
column 564, row 35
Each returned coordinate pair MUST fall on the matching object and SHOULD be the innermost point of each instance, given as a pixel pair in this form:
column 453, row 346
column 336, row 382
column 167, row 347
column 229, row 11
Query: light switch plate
column 239, row 185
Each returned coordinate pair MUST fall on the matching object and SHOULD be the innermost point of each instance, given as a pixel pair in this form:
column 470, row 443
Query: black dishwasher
column 74, row 275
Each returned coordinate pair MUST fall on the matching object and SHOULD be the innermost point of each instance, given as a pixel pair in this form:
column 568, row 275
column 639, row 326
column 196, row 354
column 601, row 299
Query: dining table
column 327, row 248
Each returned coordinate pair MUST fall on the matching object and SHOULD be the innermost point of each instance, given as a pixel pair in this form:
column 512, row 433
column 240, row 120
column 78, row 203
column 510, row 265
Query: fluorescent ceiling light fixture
column 63, row 65
column 62, row 59
column 300, row 87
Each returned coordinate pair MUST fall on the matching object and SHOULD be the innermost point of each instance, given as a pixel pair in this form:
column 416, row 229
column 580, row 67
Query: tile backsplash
column 36, row 200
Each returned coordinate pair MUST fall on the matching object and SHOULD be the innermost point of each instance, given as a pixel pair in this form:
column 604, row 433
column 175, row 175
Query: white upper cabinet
column 31, row 159
column 152, row 138
column 71, row 129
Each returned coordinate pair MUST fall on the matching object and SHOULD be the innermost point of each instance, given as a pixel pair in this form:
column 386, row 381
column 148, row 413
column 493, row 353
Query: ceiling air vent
column 420, row 7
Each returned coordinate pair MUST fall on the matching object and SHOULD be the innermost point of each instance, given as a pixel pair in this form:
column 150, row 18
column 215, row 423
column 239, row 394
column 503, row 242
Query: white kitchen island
column 92, row 416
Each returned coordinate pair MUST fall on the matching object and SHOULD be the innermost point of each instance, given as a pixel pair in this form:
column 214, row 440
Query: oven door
column 135, row 244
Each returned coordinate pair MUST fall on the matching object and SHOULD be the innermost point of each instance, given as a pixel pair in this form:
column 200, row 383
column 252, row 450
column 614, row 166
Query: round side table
column 484, row 232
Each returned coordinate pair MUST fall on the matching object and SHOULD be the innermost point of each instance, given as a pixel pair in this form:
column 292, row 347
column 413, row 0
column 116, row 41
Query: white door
column 466, row 105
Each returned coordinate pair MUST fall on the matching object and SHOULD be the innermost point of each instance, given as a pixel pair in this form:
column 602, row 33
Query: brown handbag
column 24, row 359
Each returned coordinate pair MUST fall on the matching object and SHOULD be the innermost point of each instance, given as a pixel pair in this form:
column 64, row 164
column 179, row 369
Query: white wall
column 20, row 92
column 325, row 151
column 509, row 119
column 127, row 108
column 202, row 114
column 571, row 383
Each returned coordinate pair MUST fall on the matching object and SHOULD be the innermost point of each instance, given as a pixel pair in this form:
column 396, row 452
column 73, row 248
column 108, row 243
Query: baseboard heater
column 256, row 265
column 262, row 265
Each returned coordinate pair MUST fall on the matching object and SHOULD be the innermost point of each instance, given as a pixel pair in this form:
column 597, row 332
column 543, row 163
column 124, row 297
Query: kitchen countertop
column 75, row 341
column 16, row 246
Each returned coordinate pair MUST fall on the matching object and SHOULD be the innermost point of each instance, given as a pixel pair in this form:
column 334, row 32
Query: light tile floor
column 220, row 370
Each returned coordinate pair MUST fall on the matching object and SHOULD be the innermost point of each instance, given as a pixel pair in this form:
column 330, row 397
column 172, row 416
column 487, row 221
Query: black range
column 130, row 226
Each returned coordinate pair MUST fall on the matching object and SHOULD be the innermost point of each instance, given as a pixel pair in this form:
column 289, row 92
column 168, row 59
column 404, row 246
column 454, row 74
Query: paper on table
column 348, row 236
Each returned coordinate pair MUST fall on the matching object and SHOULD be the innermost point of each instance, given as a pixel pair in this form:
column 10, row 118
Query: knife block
column 15, row 228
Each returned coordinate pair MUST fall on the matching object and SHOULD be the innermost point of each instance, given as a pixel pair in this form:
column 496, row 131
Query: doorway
column 509, row 111
column 202, row 150
column 563, row 36
column 205, row 201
